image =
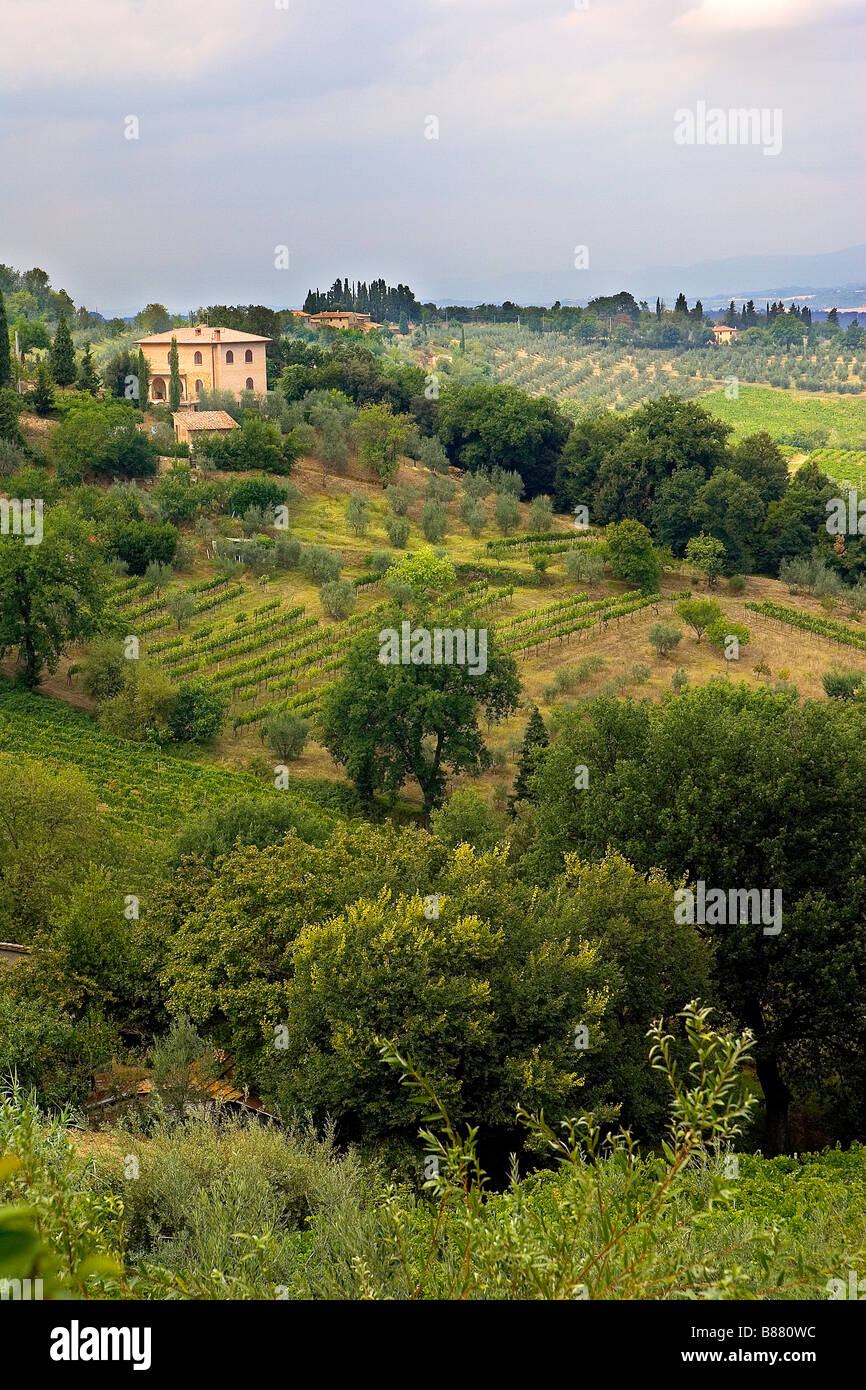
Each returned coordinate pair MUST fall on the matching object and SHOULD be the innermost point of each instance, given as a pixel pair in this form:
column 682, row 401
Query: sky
column 439, row 143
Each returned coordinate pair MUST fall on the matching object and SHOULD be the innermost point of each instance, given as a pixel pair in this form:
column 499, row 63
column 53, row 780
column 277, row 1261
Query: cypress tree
column 5, row 354
column 43, row 394
column 63, row 354
column 534, row 739
column 174, row 377
column 143, row 379
column 87, row 379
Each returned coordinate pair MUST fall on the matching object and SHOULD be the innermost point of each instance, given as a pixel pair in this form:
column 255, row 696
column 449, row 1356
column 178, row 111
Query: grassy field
column 784, row 412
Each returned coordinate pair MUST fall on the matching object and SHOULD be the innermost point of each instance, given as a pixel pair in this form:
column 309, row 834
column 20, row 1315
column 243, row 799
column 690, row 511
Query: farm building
column 191, row 425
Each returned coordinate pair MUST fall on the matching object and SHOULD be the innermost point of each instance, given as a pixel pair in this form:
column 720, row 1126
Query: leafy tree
column 506, row 511
column 434, row 521
column 139, row 542
column 105, row 669
column 50, row 832
column 387, row 722
column 181, row 607
column 487, row 1010
column 584, row 564
column 42, row 397
column 673, row 505
column 708, row 555
column 759, row 461
column 358, row 513
column 426, row 573
column 540, row 515
column 466, row 819
column 842, row 685
column 197, row 713
column 63, row 354
column 264, row 493
column 262, row 819
column 485, row 427
column 173, row 377
column 143, row 374
column 664, row 637
column 320, row 564
column 144, row 705
column 662, row 780
column 88, row 379
column 719, row 631
column 102, row 438
column 51, row 594
column 699, row 613
column 632, row 556
column 158, row 576
column 399, row 497
column 397, row 529
column 535, row 739
column 731, row 510
column 381, row 436
column 338, row 598
column 287, row 735
column 476, row 519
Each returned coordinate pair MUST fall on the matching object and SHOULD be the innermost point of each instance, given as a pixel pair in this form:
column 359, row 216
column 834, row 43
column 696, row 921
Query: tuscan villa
column 209, row 359
column 342, row 318
column 724, row 333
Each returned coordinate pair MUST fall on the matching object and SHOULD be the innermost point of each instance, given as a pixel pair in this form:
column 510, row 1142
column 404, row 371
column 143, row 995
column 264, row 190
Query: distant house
column 191, row 425
column 724, row 333
column 342, row 318
column 221, row 359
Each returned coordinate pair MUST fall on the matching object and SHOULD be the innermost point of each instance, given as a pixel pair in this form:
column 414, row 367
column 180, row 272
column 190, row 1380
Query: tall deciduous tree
column 386, row 721
column 51, row 594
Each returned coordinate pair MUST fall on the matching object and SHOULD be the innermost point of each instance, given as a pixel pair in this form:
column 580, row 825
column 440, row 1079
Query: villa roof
column 208, row 420
column 202, row 333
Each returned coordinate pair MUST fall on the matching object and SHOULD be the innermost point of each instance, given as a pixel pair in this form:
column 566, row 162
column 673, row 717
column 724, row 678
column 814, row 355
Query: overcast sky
column 306, row 126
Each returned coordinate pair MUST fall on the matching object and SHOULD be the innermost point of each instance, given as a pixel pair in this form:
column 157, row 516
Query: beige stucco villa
column 209, row 359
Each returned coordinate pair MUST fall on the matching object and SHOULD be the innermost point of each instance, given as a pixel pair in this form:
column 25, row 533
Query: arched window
column 230, row 357
column 248, row 355
column 197, row 359
column 249, row 383
column 198, row 386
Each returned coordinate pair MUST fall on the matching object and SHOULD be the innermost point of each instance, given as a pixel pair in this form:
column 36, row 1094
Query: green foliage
column 358, row 513
column 708, row 555
column 264, row 493
column 197, row 713
column 632, row 555
column 434, row 521
column 51, row 594
column 399, row 497
column 699, row 613
column 842, row 685
column 102, row 438
column 320, row 564
column 338, row 598
column 42, row 396
column 397, row 528
column 719, row 631
column 387, row 722
column 665, row 637
column 62, row 354
column 287, row 735
column 465, row 819
column 381, row 436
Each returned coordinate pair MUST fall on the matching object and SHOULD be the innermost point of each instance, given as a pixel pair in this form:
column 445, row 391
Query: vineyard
column 145, row 791
column 810, row 622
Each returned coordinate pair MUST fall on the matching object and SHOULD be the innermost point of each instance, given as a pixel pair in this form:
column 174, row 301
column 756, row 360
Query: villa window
column 249, row 355
column 197, row 359
column 249, row 383
column 198, row 386
column 230, row 357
